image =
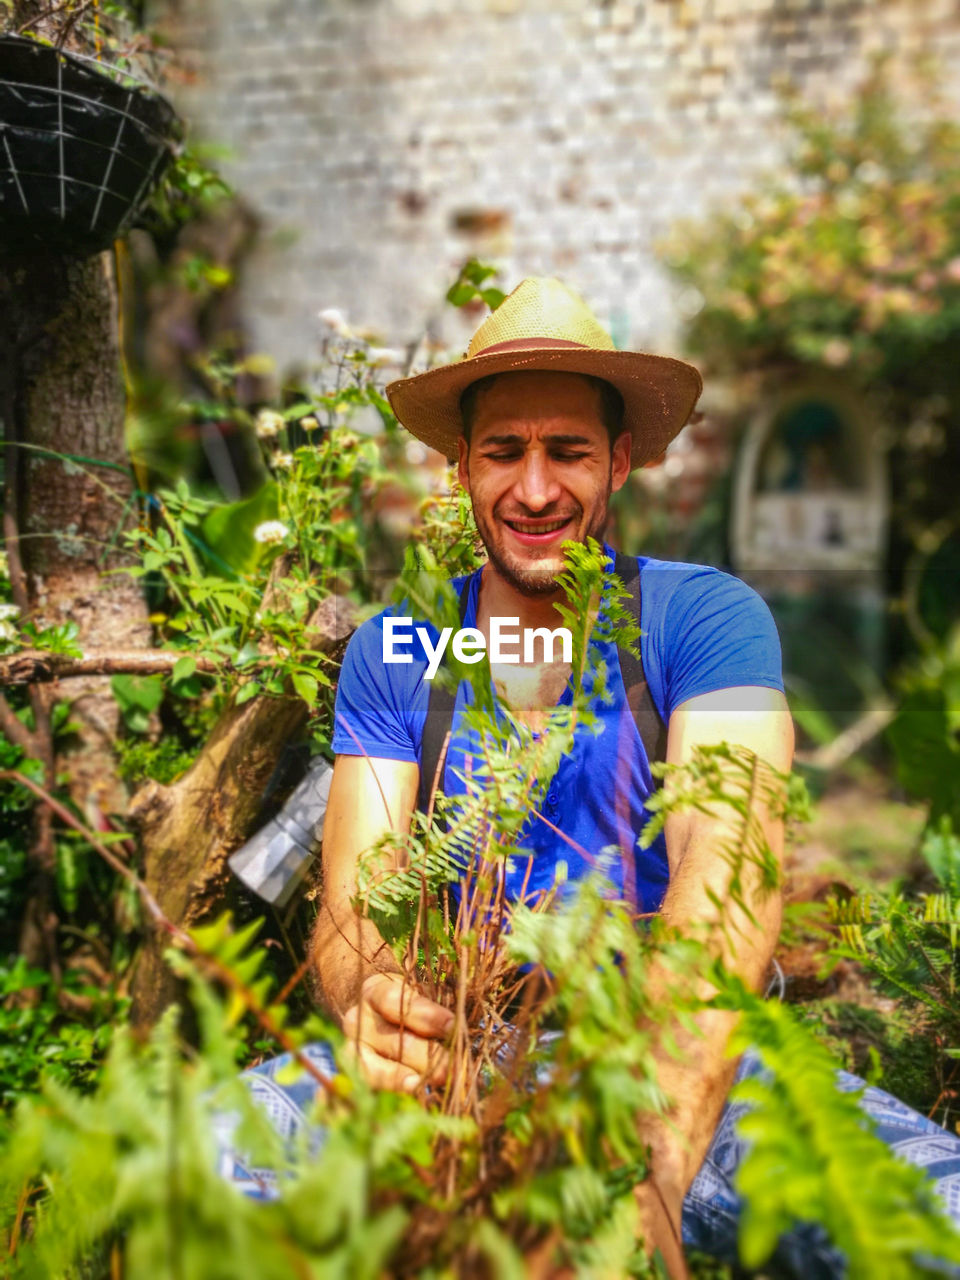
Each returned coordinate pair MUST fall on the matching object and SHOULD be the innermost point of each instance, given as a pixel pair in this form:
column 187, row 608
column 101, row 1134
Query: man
column 548, row 420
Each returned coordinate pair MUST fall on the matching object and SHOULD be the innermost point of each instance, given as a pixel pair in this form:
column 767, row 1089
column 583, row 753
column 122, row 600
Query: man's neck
column 499, row 598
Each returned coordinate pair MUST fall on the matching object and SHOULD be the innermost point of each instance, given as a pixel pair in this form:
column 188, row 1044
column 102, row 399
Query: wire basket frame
column 81, row 148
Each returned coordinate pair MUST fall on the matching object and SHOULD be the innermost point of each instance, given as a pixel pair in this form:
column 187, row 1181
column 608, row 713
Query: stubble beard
column 528, row 578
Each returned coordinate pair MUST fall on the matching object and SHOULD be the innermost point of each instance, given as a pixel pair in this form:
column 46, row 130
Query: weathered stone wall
column 381, row 141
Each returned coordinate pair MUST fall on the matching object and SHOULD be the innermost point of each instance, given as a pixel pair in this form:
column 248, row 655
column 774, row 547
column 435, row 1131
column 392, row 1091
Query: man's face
column 539, row 470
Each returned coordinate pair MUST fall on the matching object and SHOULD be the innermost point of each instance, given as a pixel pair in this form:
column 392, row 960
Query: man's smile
column 535, row 532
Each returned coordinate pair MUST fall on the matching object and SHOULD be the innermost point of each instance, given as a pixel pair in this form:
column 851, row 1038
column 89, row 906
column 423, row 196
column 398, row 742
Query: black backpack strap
column 650, row 726
column 441, row 701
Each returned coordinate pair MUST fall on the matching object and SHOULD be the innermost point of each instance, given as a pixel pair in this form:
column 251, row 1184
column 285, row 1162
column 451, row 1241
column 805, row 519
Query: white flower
column 271, row 531
column 337, row 321
column 8, row 630
column 284, row 461
column 269, row 424
column 309, row 423
column 381, row 357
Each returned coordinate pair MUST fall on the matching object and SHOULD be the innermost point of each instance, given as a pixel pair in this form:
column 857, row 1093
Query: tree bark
column 66, row 396
column 189, row 829
column 62, row 391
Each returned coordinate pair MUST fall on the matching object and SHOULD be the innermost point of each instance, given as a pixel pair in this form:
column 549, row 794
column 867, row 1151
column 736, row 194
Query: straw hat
column 544, row 325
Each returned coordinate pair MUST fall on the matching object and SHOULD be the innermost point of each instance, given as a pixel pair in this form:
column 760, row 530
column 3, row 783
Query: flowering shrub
column 853, row 260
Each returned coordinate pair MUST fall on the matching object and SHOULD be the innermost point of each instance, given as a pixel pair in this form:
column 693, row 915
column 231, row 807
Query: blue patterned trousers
column 712, row 1206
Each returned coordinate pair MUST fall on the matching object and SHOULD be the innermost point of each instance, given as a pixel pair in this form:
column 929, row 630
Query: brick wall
column 382, row 141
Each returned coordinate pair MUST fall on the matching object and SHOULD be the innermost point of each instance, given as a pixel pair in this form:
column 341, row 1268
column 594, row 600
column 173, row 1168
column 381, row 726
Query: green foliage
column 16, row 808
column 37, row 1036
column 228, row 530
column 748, row 787
column 244, row 578
column 890, row 1047
column 472, row 285
column 137, row 697
column 911, row 943
column 191, row 186
column 811, row 1150
column 924, row 732
column 130, row 1170
column 61, row 638
column 447, row 534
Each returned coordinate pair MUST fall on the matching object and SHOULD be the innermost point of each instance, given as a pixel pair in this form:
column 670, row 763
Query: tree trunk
column 188, row 830
column 68, row 398
column 61, row 390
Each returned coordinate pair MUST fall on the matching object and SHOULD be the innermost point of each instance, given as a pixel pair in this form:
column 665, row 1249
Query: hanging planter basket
column 82, row 146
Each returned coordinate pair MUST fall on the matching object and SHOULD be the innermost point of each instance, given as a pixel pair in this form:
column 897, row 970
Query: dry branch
column 36, row 666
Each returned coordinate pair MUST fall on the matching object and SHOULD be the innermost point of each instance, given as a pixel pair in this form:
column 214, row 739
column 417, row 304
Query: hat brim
column 659, row 393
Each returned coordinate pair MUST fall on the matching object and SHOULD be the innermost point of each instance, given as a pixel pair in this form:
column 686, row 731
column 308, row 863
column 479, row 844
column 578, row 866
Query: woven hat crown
column 541, row 307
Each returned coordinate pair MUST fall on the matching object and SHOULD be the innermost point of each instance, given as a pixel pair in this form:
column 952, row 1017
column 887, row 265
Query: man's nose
column 536, row 487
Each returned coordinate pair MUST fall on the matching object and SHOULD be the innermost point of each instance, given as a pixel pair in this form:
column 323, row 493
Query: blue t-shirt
column 702, row 630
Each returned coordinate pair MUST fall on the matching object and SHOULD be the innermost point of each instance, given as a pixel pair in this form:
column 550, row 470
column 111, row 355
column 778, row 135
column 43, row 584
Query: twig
column 25, row 1193
column 293, row 981
column 14, row 729
column 837, row 752
column 50, row 12
column 944, row 1091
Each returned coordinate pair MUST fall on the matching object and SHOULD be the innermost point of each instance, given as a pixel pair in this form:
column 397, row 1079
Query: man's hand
column 396, row 1034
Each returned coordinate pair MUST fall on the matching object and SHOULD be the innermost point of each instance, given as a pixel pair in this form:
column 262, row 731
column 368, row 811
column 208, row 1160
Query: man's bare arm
column 368, row 798
column 393, row 1029
column 698, row 1083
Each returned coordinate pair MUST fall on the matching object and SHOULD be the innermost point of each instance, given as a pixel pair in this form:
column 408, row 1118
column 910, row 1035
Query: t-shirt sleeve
column 717, row 633
column 371, row 715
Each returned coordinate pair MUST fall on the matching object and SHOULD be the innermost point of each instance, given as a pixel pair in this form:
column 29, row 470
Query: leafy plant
column 473, row 283
column 924, row 732
column 811, row 1148
column 910, row 944
column 38, row 1037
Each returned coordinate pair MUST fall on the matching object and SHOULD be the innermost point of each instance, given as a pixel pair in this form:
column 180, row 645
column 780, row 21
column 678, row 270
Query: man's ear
column 463, row 474
column 620, row 461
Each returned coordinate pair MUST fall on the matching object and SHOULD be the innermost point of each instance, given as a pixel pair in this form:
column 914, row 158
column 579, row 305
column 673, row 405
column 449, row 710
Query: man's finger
column 384, row 1073
column 364, row 1025
column 397, row 1001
